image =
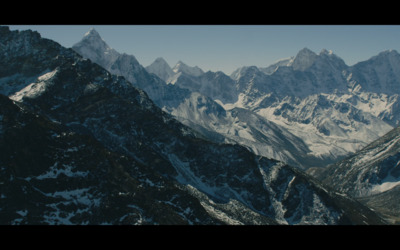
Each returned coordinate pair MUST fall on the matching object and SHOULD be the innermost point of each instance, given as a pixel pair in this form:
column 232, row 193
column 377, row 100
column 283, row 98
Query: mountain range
column 310, row 110
column 342, row 108
column 91, row 137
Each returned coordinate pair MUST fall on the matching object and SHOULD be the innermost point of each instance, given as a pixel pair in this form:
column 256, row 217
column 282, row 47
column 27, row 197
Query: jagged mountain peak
column 245, row 70
column 326, row 52
column 386, row 55
column 93, row 41
column 389, row 52
column 92, row 46
column 182, row 67
column 93, row 37
column 180, row 63
column 161, row 68
column 92, row 33
column 5, row 30
column 279, row 63
column 161, row 60
column 159, row 63
column 329, row 54
column 305, row 50
column 304, row 59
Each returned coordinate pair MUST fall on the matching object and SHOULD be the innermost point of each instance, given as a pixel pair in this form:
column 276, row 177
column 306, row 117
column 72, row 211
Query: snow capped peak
column 245, row 70
column 161, row 61
column 94, row 47
column 92, row 33
column 388, row 53
column 160, row 68
column 284, row 61
column 182, row 67
column 304, row 59
column 326, row 52
column 280, row 63
column 179, row 66
column 327, row 56
column 252, row 69
column 305, row 52
column 93, row 38
column 389, row 58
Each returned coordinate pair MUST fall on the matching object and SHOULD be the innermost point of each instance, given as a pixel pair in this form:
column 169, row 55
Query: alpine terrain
column 194, row 98
column 82, row 145
column 372, row 175
column 307, row 111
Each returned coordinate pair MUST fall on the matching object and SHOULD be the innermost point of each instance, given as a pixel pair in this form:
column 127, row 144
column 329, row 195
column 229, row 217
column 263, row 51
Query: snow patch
column 218, row 214
column 23, row 213
column 54, row 171
column 376, row 189
column 35, row 89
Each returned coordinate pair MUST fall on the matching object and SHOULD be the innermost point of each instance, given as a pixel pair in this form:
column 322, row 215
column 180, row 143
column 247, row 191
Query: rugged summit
column 93, row 46
column 161, row 68
column 304, row 59
column 99, row 151
column 342, row 108
column 184, row 68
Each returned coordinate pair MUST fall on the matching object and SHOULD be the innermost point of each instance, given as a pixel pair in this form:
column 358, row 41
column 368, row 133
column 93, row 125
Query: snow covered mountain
column 96, row 48
column 372, row 174
column 92, row 46
column 160, row 68
column 341, row 108
column 243, row 127
column 170, row 75
column 181, row 67
column 194, row 98
column 87, row 147
column 305, row 75
column 272, row 68
column 377, row 82
column 379, row 74
column 215, row 85
column 335, row 104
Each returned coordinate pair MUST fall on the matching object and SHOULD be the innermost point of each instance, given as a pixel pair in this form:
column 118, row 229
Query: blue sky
column 228, row 47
